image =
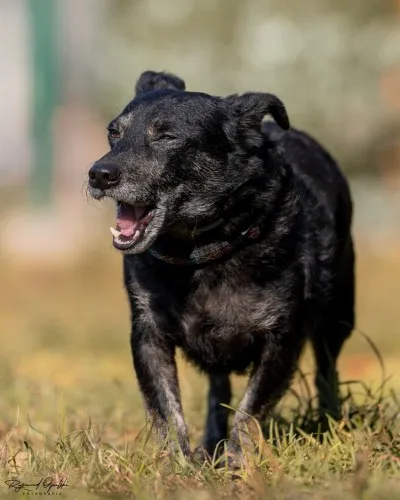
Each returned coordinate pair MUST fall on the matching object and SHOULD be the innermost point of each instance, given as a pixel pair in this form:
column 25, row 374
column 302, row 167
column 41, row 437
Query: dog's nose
column 104, row 175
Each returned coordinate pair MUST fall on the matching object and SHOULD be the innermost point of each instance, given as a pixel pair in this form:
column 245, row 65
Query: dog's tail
column 152, row 80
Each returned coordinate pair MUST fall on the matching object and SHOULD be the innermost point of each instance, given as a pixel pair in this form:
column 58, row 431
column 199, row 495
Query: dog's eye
column 113, row 133
column 165, row 136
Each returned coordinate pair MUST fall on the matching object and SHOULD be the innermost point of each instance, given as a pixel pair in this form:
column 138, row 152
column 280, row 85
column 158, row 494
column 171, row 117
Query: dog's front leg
column 154, row 361
column 269, row 380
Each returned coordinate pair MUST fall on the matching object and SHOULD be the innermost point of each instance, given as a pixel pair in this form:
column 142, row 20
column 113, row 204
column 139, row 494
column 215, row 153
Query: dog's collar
column 211, row 251
column 203, row 229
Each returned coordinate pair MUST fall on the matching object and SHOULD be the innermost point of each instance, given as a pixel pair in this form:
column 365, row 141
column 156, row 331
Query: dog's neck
column 200, row 250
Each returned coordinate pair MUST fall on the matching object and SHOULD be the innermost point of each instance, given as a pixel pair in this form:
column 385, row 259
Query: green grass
column 70, row 407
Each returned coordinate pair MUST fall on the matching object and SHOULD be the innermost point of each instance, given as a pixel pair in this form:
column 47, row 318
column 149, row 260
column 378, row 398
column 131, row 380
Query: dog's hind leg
column 329, row 337
column 217, row 417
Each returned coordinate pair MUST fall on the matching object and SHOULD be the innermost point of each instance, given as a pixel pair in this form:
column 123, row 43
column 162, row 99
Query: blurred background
column 68, row 67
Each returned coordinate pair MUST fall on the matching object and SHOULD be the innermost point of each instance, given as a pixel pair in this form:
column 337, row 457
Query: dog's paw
column 200, row 456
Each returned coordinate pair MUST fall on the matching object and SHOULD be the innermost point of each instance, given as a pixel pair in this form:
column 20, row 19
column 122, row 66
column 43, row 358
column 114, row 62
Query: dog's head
column 176, row 157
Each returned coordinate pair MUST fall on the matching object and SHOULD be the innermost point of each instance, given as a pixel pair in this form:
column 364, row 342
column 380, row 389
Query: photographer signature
column 47, row 484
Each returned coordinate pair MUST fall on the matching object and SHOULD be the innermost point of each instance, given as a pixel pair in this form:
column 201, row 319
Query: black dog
column 237, row 248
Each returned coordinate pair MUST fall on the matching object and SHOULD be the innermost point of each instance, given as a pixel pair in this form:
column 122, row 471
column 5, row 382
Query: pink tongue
column 128, row 220
column 127, row 226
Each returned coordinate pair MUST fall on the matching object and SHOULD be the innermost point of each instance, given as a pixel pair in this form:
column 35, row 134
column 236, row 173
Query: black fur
column 151, row 80
column 197, row 158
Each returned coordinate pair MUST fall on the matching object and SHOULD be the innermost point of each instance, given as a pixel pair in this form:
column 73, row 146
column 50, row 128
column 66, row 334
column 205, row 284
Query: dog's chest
column 223, row 327
column 220, row 324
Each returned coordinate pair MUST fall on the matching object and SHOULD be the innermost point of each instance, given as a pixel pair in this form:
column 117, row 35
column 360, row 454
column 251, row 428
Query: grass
column 106, row 456
column 70, row 407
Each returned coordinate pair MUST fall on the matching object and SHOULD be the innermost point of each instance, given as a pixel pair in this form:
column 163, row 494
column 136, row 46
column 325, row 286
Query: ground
column 70, row 408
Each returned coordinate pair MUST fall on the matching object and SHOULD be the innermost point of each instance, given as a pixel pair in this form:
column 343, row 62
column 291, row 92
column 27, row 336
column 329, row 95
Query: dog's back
column 319, row 173
column 317, row 169
column 327, row 209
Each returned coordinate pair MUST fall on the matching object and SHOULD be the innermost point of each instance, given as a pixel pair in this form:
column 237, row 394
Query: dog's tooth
column 137, row 234
column 115, row 232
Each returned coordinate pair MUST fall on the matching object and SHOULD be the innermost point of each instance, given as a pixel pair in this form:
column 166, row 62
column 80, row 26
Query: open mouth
column 132, row 224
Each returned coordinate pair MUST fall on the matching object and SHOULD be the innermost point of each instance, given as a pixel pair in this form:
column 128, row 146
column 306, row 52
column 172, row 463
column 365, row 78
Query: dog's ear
column 252, row 107
column 151, row 80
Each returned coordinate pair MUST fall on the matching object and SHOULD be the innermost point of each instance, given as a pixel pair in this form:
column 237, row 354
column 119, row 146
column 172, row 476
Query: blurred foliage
column 325, row 58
